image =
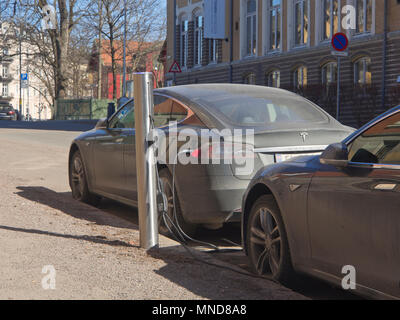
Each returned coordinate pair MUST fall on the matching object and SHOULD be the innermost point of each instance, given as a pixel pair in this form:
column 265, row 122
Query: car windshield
column 258, row 108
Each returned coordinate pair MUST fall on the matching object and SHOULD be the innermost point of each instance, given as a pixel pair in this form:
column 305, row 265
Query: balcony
column 7, row 78
column 7, row 98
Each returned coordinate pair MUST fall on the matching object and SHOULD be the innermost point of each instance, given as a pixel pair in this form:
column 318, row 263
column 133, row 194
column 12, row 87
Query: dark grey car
column 332, row 216
column 102, row 161
column 7, row 112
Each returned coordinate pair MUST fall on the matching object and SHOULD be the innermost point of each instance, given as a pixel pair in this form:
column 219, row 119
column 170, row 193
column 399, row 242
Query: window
column 125, row 118
column 300, row 77
column 184, row 43
column 178, row 112
column 301, row 22
column 379, row 144
column 274, row 79
column 162, row 111
column 167, row 111
column 331, row 18
column 329, row 73
column 213, row 50
column 251, row 28
column 364, row 16
column 198, row 39
column 250, row 79
column 256, row 106
column 5, row 90
column 274, row 18
column 5, row 72
column 362, row 71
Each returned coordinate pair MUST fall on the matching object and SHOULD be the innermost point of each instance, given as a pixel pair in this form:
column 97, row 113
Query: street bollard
column 145, row 160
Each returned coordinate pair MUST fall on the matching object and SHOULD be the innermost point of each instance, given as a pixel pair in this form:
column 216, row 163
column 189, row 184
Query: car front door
column 109, row 153
column 354, row 213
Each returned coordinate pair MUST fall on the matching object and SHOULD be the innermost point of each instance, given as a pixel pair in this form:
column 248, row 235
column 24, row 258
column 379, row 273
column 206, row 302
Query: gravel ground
column 95, row 254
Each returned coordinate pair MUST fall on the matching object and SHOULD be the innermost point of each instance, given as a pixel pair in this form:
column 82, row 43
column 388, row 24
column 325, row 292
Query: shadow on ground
column 66, row 204
column 51, row 125
column 94, row 239
column 211, row 282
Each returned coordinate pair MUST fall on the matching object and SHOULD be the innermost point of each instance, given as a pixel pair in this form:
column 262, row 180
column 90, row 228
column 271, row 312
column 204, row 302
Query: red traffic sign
column 340, row 42
column 175, row 68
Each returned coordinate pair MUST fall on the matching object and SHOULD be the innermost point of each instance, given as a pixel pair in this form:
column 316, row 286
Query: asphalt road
column 95, row 250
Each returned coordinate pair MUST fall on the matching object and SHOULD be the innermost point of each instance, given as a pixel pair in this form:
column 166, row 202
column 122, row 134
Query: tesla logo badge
column 304, row 136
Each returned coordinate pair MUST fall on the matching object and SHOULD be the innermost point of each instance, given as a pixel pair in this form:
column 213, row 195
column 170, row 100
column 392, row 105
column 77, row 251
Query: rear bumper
column 207, row 197
column 7, row 117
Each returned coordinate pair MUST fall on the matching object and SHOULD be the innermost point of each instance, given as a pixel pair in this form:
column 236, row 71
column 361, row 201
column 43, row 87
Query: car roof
column 194, row 91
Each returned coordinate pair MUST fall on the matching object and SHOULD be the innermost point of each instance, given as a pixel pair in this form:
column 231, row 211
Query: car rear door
column 354, row 213
column 162, row 115
column 109, row 153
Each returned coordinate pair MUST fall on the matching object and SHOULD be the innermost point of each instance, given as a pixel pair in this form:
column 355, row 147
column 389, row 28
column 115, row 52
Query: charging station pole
column 145, row 160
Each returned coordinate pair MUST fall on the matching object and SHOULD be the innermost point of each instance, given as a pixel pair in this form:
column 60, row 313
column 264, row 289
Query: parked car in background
column 326, row 215
column 102, row 162
column 7, row 112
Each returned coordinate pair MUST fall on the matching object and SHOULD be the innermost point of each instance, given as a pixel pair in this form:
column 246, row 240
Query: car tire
column 266, row 242
column 78, row 182
column 188, row 228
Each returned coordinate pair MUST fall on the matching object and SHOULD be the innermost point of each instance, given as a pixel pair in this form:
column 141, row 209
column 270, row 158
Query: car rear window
column 258, row 109
column 5, row 108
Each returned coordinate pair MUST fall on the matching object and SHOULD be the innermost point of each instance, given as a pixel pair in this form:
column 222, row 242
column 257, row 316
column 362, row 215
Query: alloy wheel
column 266, row 242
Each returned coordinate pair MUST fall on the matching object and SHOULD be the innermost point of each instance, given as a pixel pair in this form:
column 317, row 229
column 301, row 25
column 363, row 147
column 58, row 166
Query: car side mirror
column 102, row 124
column 336, row 155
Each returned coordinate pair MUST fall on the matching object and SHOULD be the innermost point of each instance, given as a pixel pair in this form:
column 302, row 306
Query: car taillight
column 10, row 113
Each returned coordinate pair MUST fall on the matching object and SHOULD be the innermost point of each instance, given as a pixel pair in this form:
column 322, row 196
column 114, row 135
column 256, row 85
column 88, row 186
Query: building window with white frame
column 251, row 27
column 301, row 21
column 274, row 79
column 329, row 73
column 362, row 71
column 364, row 16
column 184, row 42
column 4, row 92
column 300, row 77
column 213, row 50
column 331, row 14
column 198, row 39
column 274, row 15
column 5, row 71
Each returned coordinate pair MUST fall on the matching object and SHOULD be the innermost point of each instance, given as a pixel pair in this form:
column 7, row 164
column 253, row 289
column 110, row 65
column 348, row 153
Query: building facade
column 35, row 99
column 287, row 44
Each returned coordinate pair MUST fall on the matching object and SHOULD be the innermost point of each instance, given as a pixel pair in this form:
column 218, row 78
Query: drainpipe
column 231, row 43
column 384, row 54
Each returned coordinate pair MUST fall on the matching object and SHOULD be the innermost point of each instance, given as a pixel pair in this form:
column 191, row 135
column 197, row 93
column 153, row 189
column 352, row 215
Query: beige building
column 34, row 95
column 287, row 43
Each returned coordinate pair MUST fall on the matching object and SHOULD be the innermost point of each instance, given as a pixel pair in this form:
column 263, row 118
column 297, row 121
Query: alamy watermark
column 205, row 147
column 349, row 281
column 49, row 280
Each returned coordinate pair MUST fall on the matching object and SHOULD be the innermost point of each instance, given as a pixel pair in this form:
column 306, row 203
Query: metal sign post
column 145, row 160
column 340, row 43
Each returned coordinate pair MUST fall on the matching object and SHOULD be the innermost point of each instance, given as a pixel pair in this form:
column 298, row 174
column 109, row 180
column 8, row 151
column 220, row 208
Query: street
column 94, row 251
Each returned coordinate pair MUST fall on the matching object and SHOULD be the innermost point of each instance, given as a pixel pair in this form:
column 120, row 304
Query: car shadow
column 94, row 239
column 66, row 204
column 51, row 125
column 215, row 283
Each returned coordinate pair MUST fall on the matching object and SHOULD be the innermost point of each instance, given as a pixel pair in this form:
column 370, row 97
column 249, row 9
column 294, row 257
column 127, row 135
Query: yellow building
column 287, row 43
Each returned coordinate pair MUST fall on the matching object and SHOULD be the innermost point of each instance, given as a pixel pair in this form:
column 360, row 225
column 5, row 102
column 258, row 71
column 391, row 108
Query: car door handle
column 119, row 140
column 386, row 187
